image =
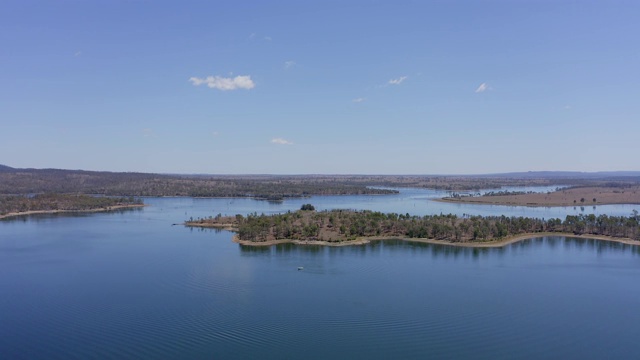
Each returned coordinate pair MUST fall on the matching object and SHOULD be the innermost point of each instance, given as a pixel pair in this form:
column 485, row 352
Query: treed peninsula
column 604, row 194
column 16, row 205
column 345, row 227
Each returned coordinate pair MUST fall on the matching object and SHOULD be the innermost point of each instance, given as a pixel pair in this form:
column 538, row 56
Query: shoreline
column 532, row 205
column 36, row 212
column 228, row 227
column 480, row 244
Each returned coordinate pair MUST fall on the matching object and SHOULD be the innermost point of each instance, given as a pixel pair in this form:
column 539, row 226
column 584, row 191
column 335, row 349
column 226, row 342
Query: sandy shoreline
column 35, row 212
column 228, row 227
column 485, row 201
column 485, row 244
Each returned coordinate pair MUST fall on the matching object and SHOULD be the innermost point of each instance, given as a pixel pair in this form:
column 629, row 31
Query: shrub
column 307, row 207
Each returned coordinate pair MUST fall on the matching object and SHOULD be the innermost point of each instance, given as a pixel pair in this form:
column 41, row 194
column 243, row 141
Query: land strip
column 263, row 187
column 105, row 209
column 577, row 196
column 11, row 206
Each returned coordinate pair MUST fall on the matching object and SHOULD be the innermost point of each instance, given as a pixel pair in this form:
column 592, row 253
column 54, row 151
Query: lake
column 131, row 285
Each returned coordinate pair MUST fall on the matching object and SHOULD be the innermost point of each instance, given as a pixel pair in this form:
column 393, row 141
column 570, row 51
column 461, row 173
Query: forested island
column 350, row 226
column 54, row 203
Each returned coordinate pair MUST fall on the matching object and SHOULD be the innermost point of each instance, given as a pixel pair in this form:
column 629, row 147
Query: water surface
column 131, row 285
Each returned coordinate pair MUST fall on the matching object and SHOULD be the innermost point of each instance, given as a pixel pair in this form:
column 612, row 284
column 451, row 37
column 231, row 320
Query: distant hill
column 566, row 175
column 280, row 187
column 274, row 188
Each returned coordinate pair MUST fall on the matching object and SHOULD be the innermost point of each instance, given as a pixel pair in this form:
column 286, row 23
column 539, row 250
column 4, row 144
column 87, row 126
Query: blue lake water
column 131, row 285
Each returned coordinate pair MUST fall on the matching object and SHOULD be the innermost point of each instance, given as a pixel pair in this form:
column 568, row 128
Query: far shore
column 478, row 244
column 567, row 197
column 104, row 209
column 483, row 200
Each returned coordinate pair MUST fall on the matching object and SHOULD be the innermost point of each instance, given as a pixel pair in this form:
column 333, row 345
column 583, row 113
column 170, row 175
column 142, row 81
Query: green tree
column 307, row 207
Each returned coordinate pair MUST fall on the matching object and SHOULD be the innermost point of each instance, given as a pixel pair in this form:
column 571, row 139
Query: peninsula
column 59, row 203
column 575, row 196
column 348, row 227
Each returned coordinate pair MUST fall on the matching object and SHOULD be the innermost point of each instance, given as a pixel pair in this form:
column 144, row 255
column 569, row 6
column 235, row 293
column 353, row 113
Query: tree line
column 49, row 202
column 30, row 181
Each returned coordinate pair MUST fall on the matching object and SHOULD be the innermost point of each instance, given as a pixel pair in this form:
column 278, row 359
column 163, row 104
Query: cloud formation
column 147, row 132
column 483, row 87
column 281, row 141
column 397, row 81
column 289, row 64
column 358, row 100
column 254, row 36
column 224, row 84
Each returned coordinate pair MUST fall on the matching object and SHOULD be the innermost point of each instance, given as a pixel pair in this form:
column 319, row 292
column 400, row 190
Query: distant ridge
column 567, row 174
column 602, row 175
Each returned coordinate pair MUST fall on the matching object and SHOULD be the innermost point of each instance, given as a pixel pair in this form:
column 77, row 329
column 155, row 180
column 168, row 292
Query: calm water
column 130, row 285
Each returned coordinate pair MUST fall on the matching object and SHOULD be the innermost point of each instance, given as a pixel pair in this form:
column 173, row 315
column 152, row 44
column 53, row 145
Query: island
column 18, row 205
column 349, row 227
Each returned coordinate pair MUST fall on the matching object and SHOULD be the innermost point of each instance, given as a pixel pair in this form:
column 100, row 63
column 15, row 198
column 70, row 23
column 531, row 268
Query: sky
column 320, row 87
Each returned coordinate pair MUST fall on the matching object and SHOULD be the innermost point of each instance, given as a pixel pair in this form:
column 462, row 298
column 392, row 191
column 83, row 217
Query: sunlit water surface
column 131, row 285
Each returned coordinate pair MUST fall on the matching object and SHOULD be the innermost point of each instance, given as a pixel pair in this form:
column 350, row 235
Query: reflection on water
column 205, row 229
column 444, row 250
column 601, row 246
column 254, row 250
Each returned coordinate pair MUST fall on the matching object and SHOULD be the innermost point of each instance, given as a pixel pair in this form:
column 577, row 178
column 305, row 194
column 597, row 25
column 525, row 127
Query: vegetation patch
column 62, row 202
column 576, row 196
column 263, row 187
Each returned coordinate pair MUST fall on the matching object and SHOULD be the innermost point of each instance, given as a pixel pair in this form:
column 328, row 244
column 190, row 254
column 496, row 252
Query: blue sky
column 298, row 87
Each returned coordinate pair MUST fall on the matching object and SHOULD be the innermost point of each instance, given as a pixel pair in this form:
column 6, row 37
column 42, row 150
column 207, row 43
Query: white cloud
column 567, row 107
column 289, row 64
column 254, row 36
column 281, row 141
column 148, row 132
column 358, row 100
column 78, row 53
column 397, row 81
column 483, row 87
column 215, row 133
column 224, row 84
